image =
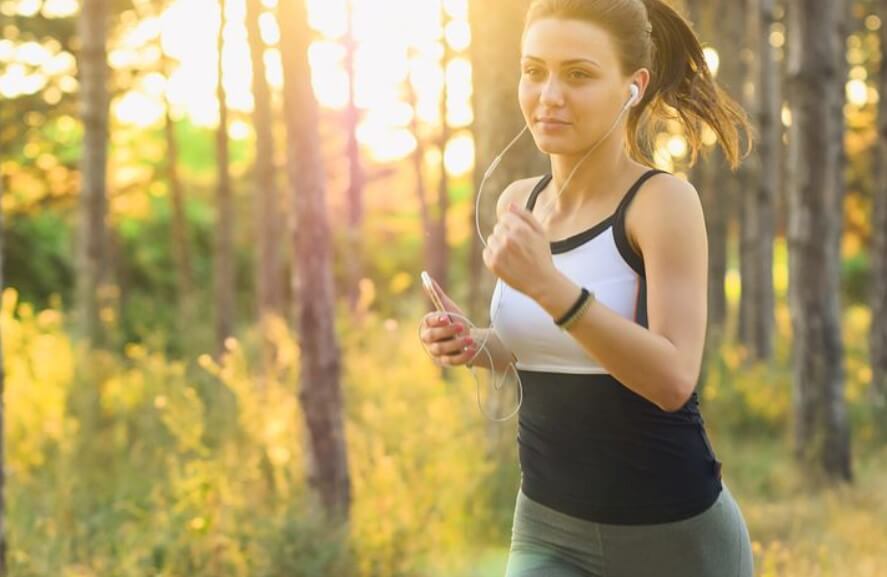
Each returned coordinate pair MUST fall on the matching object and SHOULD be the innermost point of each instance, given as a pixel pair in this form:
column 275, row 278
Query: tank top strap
column 628, row 253
column 623, row 204
column 629, row 196
column 543, row 182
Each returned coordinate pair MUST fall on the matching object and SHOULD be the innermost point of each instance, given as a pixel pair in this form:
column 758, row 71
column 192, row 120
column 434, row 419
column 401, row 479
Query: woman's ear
column 641, row 79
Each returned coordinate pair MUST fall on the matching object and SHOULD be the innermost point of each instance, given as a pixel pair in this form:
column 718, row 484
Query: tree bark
column 878, row 330
column 816, row 93
column 224, row 241
column 92, row 255
column 180, row 244
column 717, row 186
column 726, row 205
column 320, row 391
column 268, row 270
column 356, row 178
column 758, row 202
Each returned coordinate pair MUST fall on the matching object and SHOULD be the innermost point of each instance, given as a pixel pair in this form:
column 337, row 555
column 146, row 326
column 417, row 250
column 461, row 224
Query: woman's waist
column 576, row 442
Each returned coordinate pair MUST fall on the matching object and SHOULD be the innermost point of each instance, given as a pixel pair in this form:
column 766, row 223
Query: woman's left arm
column 661, row 363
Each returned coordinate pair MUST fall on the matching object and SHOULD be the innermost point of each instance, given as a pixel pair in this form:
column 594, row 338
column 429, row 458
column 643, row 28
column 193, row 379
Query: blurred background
column 214, row 216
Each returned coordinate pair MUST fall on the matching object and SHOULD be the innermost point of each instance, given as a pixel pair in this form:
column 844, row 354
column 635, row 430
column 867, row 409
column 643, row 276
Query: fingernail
column 459, row 328
column 441, row 318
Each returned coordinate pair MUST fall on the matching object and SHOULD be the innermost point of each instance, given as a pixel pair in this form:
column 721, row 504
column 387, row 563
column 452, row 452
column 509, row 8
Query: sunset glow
column 386, row 58
column 389, row 59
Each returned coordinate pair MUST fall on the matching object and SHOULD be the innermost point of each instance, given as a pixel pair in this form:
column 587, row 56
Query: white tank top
column 599, row 258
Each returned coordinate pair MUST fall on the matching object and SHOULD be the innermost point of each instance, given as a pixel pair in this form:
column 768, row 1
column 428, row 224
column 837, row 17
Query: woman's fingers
column 459, row 357
column 448, row 341
column 449, row 346
column 435, row 330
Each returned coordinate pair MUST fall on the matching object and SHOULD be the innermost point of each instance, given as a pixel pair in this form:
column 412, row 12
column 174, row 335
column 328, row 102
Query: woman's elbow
column 679, row 395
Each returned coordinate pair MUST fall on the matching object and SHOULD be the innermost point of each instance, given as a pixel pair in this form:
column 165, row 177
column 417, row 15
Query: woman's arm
column 661, row 363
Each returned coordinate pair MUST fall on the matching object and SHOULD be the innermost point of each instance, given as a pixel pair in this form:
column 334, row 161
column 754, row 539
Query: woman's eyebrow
column 566, row 62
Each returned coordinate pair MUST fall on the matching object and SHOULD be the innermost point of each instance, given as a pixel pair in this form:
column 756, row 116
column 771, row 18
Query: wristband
column 576, row 311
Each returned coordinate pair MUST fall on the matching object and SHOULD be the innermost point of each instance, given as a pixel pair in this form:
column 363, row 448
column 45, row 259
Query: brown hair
column 651, row 34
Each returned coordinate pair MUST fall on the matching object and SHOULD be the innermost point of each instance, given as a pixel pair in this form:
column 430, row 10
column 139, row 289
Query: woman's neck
column 593, row 179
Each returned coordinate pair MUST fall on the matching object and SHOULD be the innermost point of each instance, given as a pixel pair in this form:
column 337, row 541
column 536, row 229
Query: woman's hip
column 712, row 543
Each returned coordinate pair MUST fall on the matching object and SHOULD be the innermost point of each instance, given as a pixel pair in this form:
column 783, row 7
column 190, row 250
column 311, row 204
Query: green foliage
column 856, row 278
column 37, row 257
column 138, row 464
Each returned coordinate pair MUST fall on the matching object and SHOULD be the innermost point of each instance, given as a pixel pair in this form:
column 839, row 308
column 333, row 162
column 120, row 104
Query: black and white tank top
column 599, row 258
column 589, row 446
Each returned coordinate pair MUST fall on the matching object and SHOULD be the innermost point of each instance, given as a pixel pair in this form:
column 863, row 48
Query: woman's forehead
column 560, row 40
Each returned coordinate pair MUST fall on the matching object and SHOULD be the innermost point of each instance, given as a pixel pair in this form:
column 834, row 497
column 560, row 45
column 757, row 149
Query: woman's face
column 570, row 75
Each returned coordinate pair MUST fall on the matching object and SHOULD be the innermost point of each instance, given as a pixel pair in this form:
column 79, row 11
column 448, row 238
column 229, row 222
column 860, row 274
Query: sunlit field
column 226, row 487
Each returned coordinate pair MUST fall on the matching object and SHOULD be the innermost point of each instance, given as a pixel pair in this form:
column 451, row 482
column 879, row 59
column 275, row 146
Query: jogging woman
column 603, row 302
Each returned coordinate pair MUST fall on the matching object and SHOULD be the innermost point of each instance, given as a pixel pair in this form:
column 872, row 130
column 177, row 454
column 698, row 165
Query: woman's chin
column 553, row 145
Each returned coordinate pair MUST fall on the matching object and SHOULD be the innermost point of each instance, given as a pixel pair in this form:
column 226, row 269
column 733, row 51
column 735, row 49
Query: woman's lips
column 551, row 124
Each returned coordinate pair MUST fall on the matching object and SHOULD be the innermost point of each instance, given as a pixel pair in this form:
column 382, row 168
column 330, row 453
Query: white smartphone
column 432, row 294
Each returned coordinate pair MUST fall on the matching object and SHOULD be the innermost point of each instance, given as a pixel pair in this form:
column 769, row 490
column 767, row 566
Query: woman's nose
column 551, row 94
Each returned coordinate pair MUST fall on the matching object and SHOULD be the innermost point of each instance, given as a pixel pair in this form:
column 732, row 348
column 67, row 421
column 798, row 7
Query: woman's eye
column 531, row 71
column 578, row 74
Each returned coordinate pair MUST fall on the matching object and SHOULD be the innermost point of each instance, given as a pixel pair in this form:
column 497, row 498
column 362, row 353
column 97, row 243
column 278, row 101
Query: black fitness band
column 583, row 296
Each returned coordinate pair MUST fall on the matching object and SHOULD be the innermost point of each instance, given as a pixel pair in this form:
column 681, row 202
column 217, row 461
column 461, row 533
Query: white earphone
column 635, row 90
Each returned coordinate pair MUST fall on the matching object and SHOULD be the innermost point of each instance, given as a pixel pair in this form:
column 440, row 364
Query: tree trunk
column 878, row 331
column 356, row 180
column 224, row 249
column 320, row 393
column 418, row 161
column 495, row 57
column 816, row 92
column 725, row 21
column 180, row 244
column 268, row 271
column 758, row 202
column 92, row 258
column 438, row 265
column 717, row 185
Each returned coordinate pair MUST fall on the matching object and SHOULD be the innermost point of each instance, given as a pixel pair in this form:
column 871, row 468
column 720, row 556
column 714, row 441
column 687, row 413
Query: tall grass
column 131, row 463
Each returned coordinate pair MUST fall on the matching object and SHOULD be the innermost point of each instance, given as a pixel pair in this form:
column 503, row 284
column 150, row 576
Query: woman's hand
column 519, row 253
column 447, row 339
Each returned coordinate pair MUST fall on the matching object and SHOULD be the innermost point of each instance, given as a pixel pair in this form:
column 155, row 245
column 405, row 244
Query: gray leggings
column 548, row 543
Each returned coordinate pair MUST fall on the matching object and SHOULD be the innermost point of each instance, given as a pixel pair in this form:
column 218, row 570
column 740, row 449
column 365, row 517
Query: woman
column 618, row 477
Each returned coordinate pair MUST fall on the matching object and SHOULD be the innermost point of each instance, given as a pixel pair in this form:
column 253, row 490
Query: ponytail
column 682, row 88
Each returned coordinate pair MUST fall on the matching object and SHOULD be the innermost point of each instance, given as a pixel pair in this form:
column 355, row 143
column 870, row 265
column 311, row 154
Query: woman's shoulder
column 517, row 192
column 664, row 197
column 662, row 190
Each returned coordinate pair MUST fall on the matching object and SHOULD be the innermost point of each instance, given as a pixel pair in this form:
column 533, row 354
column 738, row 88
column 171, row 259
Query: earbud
column 634, row 94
